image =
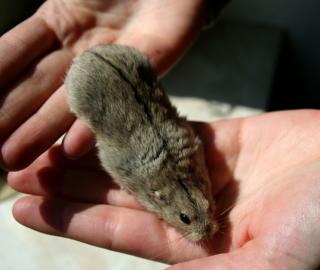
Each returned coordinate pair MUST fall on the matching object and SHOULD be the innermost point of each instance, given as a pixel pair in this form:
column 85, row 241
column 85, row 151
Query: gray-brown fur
column 143, row 143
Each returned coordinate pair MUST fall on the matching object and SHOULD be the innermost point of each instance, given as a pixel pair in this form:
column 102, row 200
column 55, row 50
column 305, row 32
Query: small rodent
column 143, row 143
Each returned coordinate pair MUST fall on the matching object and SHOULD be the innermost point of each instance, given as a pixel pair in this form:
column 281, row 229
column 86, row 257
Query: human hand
column 36, row 54
column 265, row 174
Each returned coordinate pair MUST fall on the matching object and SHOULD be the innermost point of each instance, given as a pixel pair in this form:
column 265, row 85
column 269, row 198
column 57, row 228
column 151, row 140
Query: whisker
column 227, row 210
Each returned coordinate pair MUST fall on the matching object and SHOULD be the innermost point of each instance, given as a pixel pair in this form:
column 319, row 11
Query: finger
column 121, row 229
column 38, row 133
column 23, row 99
column 55, row 157
column 78, row 141
column 81, row 180
column 80, row 185
column 22, row 45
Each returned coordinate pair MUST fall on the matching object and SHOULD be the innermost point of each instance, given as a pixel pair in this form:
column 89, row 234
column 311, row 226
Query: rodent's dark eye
column 185, row 219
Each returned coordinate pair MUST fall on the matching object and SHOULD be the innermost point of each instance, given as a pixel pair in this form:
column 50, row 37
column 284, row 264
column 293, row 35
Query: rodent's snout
column 214, row 227
column 210, row 229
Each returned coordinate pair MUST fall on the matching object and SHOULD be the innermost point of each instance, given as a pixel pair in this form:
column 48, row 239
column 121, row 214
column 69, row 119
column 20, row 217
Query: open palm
column 265, row 172
column 35, row 55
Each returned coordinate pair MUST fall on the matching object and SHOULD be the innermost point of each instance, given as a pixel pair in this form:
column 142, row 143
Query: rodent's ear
column 160, row 196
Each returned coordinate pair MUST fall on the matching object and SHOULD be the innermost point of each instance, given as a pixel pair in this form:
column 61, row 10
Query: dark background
column 295, row 81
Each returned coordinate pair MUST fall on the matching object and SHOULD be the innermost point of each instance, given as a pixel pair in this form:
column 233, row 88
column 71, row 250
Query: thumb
column 250, row 256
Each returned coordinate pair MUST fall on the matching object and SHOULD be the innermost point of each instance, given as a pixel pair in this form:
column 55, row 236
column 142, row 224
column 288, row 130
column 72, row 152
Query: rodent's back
column 101, row 92
column 114, row 90
column 143, row 143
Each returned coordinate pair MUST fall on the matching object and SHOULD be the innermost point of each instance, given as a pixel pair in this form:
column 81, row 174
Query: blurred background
column 261, row 55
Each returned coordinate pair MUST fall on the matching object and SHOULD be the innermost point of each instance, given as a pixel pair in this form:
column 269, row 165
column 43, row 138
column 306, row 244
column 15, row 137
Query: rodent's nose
column 214, row 227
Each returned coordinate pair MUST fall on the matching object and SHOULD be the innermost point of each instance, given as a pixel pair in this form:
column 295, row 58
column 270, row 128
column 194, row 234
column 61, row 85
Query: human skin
column 35, row 55
column 265, row 172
